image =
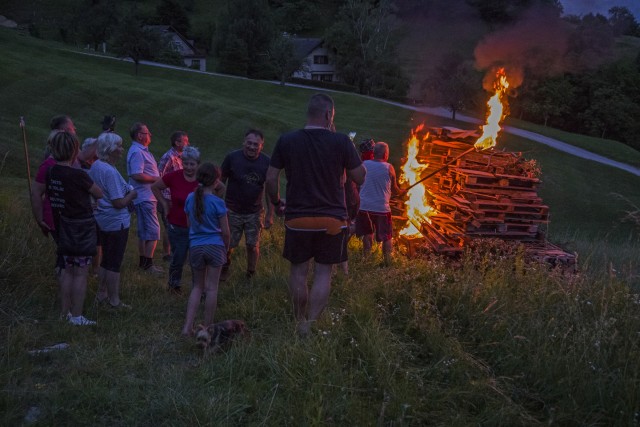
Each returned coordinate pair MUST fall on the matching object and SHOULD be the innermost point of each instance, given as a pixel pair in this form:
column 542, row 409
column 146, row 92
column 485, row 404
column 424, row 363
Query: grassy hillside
column 43, row 79
column 483, row 340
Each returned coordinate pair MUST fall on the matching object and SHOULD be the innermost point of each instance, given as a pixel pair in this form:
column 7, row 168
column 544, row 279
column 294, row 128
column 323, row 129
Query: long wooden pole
column 438, row 170
column 26, row 151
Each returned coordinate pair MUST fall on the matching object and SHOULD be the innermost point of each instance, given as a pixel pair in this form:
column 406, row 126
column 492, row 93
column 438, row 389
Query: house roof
column 303, row 47
column 194, row 53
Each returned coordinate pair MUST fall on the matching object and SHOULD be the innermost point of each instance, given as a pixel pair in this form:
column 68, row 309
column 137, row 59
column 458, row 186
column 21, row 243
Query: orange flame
column 417, row 207
column 496, row 113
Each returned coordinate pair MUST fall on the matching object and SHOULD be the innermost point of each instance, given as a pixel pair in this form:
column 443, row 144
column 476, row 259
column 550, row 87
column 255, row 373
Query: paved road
column 440, row 112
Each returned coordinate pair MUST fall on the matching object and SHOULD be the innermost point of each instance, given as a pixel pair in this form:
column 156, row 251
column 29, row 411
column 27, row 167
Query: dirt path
column 554, row 143
column 440, row 112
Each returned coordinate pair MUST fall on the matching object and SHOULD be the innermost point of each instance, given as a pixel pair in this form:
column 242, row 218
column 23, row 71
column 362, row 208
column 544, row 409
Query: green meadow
column 486, row 339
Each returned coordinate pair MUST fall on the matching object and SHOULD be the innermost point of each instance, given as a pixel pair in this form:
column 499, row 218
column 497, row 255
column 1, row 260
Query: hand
column 268, row 222
column 44, row 227
column 280, row 207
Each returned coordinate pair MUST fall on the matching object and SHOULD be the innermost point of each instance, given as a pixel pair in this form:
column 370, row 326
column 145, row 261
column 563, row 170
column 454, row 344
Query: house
column 191, row 56
column 319, row 60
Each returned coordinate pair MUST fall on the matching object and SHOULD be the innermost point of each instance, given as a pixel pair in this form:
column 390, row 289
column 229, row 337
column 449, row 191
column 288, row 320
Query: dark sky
column 582, row 7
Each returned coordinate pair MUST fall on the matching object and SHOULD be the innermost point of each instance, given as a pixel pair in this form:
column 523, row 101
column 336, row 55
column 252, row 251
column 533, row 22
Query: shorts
column 302, row 245
column 113, row 243
column 76, row 261
column 380, row 222
column 148, row 225
column 207, row 255
column 250, row 224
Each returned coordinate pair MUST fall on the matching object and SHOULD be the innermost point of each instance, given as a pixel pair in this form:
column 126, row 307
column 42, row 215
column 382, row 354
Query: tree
column 136, row 42
column 549, row 98
column 590, row 44
column 497, row 12
column 295, row 16
column 623, row 22
column 245, row 34
column 283, row 59
column 365, row 41
column 96, row 21
column 172, row 13
column 452, row 83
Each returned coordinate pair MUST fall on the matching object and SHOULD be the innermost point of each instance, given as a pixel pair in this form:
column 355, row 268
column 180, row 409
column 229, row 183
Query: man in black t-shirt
column 316, row 161
column 244, row 171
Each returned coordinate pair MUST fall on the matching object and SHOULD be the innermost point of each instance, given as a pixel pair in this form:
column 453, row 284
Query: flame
column 417, row 207
column 496, row 113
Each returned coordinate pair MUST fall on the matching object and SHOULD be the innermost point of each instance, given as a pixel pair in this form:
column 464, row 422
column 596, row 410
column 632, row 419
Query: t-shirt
column 314, row 161
column 245, row 181
column 376, row 188
column 113, row 185
column 68, row 190
column 140, row 160
column 41, row 177
column 208, row 232
column 169, row 162
column 180, row 189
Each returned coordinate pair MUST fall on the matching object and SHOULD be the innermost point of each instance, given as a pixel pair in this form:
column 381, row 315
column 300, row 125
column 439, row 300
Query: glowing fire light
column 496, row 115
column 417, row 207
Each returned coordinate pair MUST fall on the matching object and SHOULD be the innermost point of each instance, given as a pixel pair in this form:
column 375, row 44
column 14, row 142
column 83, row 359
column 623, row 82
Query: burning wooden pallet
column 482, row 194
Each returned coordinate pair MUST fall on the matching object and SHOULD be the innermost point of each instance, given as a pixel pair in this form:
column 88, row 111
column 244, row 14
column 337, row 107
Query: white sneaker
column 155, row 270
column 81, row 321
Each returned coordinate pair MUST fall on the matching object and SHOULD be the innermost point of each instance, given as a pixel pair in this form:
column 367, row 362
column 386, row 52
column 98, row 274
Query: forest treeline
column 576, row 73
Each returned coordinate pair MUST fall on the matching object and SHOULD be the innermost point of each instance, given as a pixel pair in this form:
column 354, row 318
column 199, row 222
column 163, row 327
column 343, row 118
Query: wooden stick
column 26, row 151
column 449, row 163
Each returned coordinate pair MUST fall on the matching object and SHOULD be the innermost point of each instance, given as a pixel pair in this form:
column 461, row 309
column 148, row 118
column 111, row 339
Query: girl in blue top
column 208, row 243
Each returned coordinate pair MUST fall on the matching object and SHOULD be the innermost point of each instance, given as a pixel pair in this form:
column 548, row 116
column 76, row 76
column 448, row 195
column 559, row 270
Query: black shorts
column 301, row 246
column 113, row 245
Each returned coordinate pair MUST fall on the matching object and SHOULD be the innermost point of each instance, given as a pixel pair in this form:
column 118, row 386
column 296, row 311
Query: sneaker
column 250, row 274
column 154, row 270
column 175, row 290
column 120, row 306
column 81, row 321
column 167, row 258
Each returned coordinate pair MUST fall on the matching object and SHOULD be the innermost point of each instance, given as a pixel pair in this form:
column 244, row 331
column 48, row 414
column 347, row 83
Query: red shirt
column 180, row 189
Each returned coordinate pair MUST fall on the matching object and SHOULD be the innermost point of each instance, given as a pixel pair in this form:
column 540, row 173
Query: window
column 320, row 59
column 326, row 77
column 195, row 63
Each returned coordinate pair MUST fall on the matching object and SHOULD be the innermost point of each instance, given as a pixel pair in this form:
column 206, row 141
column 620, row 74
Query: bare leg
column 319, row 295
column 194, row 300
column 367, row 244
column 253, row 253
column 387, row 251
column 211, row 288
column 112, row 282
column 102, row 293
column 78, row 289
column 299, row 292
column 149, row 247
column 66, row 284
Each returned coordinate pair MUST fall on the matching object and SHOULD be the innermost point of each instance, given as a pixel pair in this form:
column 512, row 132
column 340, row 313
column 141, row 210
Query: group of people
column 80, row 198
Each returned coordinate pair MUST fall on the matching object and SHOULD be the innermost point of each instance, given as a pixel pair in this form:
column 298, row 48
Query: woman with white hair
column 181, row 182
column 112, row 216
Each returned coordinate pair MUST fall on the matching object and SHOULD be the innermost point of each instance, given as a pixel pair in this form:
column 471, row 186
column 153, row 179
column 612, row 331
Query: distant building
column 319, row 60
column 190, row 55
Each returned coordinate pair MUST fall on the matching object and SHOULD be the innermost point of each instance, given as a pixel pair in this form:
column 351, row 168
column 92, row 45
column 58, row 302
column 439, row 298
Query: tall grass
column 488, row 339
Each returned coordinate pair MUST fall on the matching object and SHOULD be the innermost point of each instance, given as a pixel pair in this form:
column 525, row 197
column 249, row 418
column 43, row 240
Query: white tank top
column 376, row 190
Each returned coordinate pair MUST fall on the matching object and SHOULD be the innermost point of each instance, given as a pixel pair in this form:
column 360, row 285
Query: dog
column 215, row 337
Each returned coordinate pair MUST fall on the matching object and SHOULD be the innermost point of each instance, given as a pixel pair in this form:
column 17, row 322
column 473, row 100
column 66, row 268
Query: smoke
column 536, row 44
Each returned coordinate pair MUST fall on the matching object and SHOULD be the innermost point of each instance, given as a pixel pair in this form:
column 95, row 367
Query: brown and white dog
column 214, row 337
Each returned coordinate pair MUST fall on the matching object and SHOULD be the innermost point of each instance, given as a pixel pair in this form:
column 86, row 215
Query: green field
column 484, row 340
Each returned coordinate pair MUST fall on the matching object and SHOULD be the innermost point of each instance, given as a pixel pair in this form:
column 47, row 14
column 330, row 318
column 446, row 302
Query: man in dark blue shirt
column 245, row 172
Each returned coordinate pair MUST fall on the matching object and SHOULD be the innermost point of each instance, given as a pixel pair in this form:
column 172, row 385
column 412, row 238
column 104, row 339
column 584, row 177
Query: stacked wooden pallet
column 483, row 194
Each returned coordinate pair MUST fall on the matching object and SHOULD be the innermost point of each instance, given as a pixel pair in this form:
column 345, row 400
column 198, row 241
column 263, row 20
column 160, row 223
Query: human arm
column 124, row 201
column 357, row 174
column 219, row 189
column 272, row 185
column 226, row 232
column 394, row 182
column 268, row 217
column 96, row 191
column 37, row 192
column 156, row 189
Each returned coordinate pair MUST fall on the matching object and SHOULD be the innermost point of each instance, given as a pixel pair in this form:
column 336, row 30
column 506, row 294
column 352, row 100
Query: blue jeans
column 179, row 239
